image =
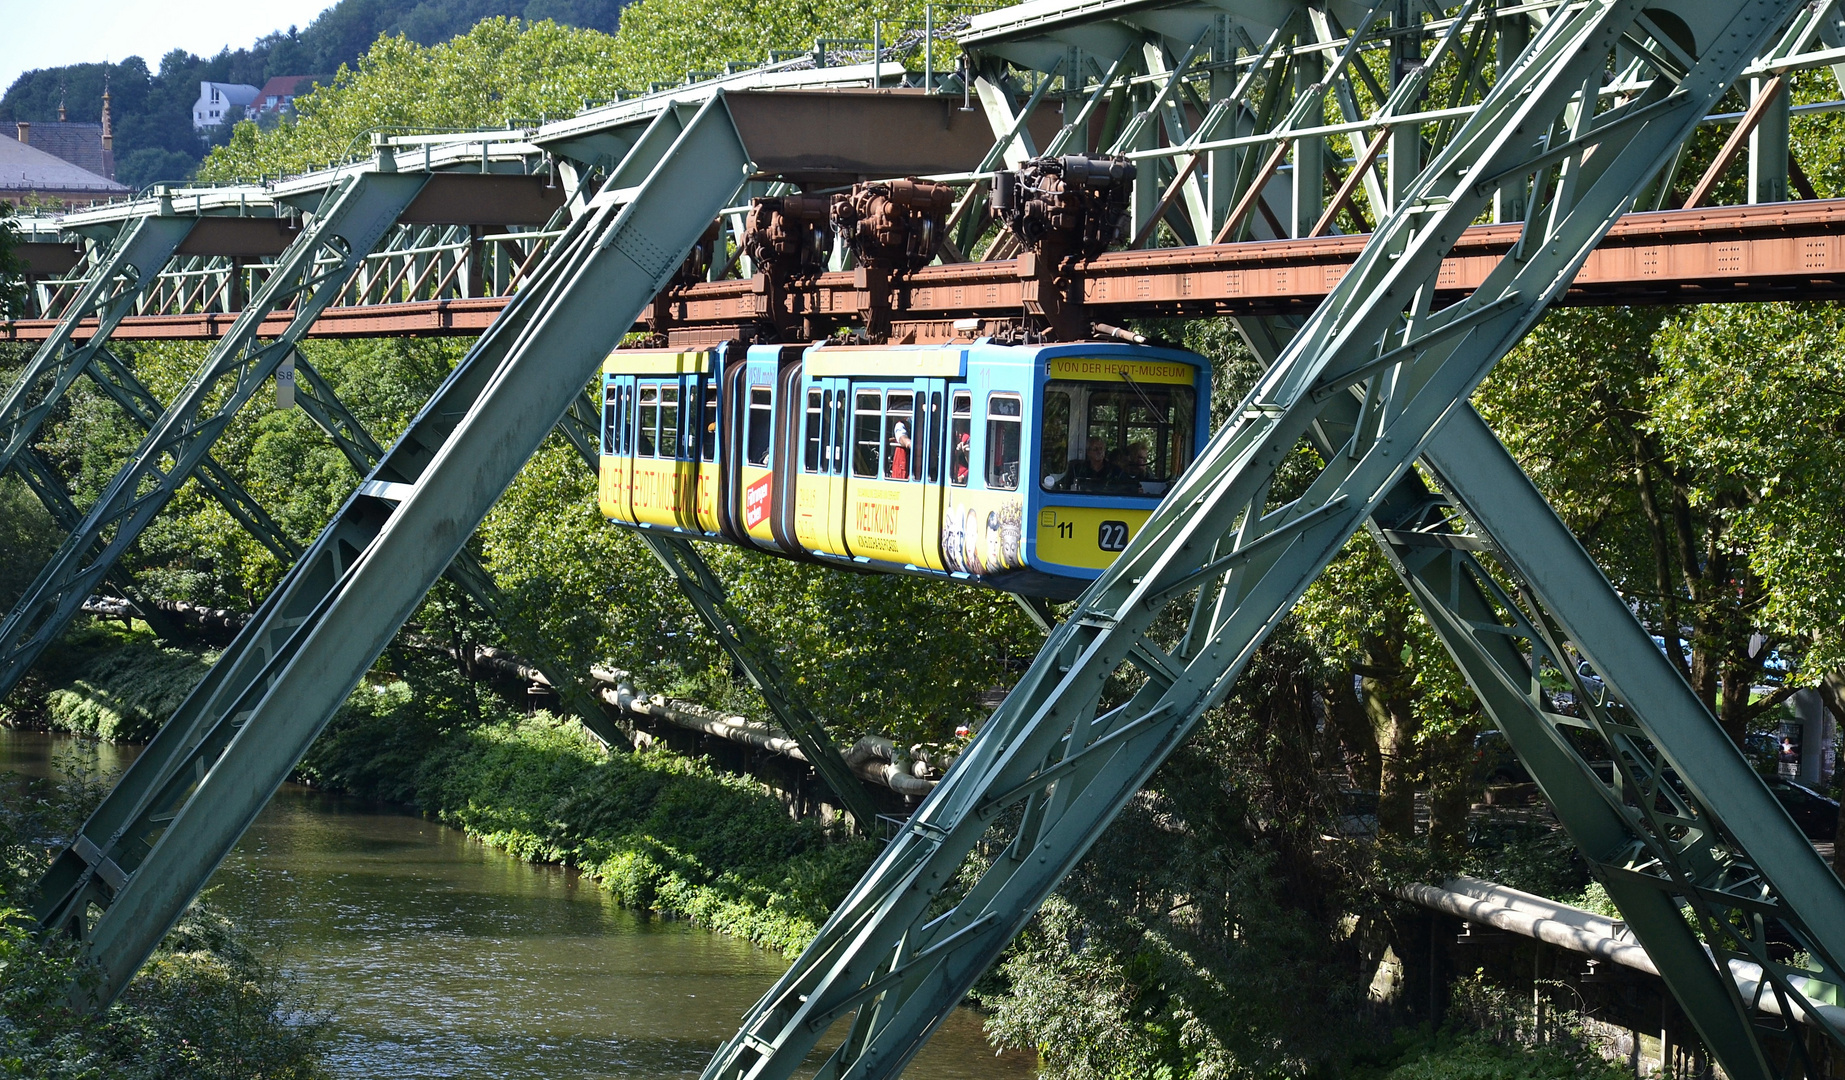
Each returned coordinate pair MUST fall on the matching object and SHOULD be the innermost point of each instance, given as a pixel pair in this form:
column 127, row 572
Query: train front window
column 1127, row 438
column 759, row 425
column 650, row 419
column 868, row 414
column 899, row 426
column 669, row 421
column 1003, row 431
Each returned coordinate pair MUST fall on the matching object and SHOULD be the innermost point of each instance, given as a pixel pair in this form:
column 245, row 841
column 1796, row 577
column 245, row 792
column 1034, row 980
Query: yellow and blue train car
column 1026, row 468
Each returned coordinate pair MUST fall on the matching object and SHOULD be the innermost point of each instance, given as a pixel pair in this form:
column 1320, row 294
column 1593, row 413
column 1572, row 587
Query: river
column 441, row 957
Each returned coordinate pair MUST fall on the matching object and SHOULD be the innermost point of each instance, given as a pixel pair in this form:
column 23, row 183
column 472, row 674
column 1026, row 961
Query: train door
column 732, row 394
column 615, row 472
column 931, row 458
column 954, row 546
column 662, row 482
column 706, row 390
column 836, row 456
column 757, row 478
column 785, row 457
column 818, row 502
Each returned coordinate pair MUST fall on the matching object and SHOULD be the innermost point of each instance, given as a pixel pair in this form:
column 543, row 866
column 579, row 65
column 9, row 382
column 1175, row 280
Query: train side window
column 839, row 432
column 1003, row 431
column 669, row 421
column 707, row 439
column 760, row 416
column 961, row 432
column 810, row 459
column 899, row 435
column 650, row 419
column 624, row 421
column 866, row 440
column 611, row 394
column 932, row 461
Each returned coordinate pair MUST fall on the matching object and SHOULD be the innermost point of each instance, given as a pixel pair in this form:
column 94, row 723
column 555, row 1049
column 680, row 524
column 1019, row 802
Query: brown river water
column 440, row 957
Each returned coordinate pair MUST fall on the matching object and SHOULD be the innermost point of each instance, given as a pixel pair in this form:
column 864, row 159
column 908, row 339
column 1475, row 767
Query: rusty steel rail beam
column 1775, row 251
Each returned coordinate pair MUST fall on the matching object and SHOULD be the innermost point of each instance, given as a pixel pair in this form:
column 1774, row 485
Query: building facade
column 215, row 101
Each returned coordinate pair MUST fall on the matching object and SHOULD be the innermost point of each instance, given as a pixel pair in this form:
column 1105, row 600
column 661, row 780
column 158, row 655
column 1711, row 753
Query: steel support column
column 154, row 841
column 702, row 587
column 353, row 215
column 1682, row 821
column 134, row 260
column 1227, row 559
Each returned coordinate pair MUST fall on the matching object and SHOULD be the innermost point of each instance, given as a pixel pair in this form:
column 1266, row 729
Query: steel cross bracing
column 1651, row 864
column 1682, row 822
column 118, row 279
column 1064, row 752
column 153, row 842
column 753, row 655
column 352, row 216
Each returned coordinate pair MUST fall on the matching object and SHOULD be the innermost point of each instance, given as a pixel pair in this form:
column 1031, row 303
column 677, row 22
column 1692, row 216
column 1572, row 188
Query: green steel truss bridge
column 1514, row 155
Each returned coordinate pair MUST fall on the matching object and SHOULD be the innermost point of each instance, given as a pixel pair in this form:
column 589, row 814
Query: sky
column 51, row 33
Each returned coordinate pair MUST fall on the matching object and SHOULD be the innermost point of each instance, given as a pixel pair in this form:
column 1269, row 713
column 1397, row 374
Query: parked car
column 1816, row 815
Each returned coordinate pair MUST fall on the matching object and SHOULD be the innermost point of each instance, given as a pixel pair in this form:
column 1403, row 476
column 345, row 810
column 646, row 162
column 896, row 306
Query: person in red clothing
column 900, row 452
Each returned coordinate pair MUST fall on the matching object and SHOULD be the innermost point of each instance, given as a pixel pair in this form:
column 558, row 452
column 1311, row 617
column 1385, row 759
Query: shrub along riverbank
column 660, row 831
column 205, row 1007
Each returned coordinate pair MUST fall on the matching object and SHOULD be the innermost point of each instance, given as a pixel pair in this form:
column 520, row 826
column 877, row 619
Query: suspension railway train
column 1021, row 467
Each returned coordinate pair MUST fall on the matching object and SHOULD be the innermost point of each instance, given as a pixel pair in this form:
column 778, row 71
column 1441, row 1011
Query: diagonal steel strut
column 153, row 842
column 1683, row 822
column 308, row 276
column 707, row 594
column 908, row 941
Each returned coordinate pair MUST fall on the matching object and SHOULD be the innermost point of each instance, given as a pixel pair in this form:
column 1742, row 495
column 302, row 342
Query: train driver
column 1093, row 470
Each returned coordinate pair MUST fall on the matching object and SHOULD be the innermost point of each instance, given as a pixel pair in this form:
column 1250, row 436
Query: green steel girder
column 154, row 841
column 119, row 382
column 353, row 215
column 52, row 494
column 315, row 396
column 706, row 592
column 120, row 277
column 131, row 265
column 1682, row 821
column 1221, row 556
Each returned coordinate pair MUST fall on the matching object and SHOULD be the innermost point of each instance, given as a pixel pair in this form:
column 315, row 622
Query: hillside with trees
column 152, row 106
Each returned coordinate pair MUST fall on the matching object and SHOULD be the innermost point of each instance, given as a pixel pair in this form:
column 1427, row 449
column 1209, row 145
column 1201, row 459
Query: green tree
column 1602, row 409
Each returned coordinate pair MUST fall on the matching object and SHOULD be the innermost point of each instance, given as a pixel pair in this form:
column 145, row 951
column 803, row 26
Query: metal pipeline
column 1593, row 935
column 873, row 758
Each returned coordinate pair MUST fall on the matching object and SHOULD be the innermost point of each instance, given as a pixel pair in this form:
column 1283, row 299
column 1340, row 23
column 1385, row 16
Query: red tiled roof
column 283, row 87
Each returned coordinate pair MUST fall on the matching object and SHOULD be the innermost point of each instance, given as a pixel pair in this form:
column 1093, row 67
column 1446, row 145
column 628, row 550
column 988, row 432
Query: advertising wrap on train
column 756, row 501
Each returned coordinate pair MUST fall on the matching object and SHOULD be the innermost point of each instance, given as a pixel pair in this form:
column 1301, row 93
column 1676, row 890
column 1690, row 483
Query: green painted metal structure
column 178, row 810
column 1371, row 379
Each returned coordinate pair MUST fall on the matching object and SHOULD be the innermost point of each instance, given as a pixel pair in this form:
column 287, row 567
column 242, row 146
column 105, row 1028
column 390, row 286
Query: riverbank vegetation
column 1250, row 876
column 204, row 1008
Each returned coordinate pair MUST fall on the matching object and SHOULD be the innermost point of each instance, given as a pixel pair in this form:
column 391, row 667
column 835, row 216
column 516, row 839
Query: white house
column 215, row 101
